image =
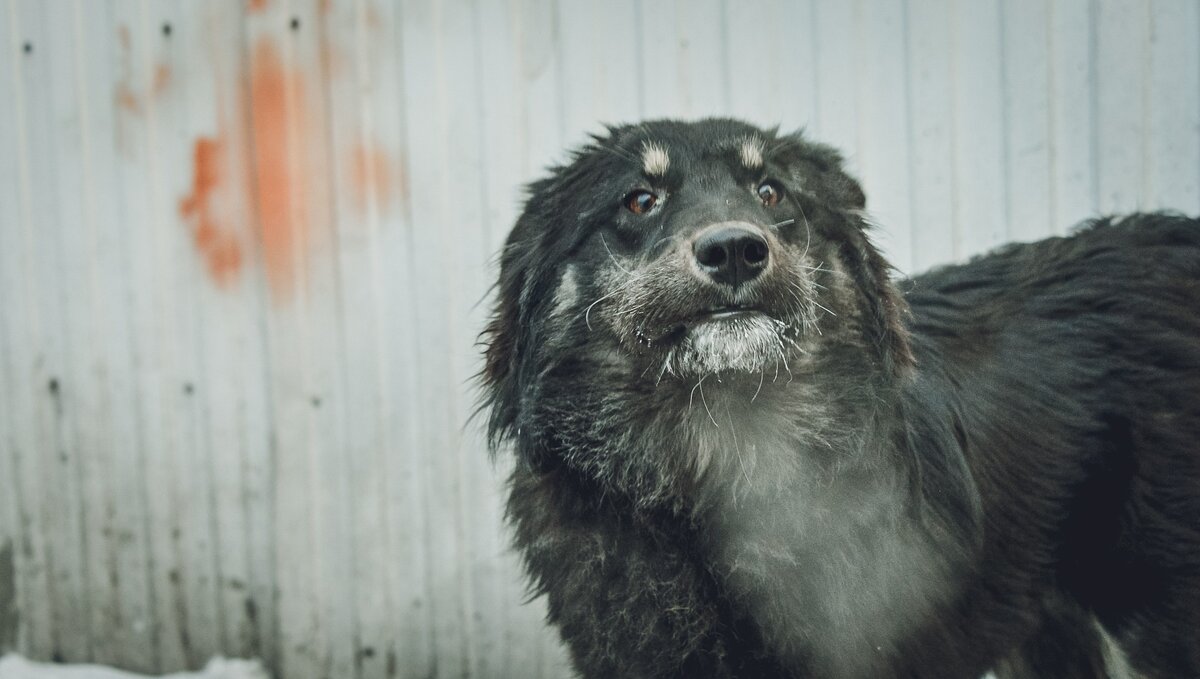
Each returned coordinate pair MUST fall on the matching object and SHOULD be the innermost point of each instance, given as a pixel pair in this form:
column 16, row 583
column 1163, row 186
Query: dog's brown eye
column 640, row 202
column 770, row 192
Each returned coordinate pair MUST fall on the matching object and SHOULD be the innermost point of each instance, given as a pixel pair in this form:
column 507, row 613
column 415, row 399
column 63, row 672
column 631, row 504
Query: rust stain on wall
column 217, row 244
column 128, row 101
column 374, row 176
column 255, row 183
column 280, row 165
column 258, row 5
column 162, row 79
column 131, row 99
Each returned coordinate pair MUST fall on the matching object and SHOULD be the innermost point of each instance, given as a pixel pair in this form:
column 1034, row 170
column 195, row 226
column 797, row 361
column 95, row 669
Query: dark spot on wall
column 316, row 401
column 173, row 576
column 56, row 396
column 166, row 29
column 367, row 651
column 295, row 23
column 188, row 388
column 28, row 48
column 58, row 657
column 236, row 584
column 392, row 663
column 8, row 598
column 251, row 635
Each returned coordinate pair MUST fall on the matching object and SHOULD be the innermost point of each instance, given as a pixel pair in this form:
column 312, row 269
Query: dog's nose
column 731, row 254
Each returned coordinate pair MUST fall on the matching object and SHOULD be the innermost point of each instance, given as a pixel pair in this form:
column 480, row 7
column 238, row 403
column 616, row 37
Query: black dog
column 744, row 452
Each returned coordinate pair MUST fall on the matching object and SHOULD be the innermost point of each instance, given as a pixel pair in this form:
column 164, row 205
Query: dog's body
column 741, row 456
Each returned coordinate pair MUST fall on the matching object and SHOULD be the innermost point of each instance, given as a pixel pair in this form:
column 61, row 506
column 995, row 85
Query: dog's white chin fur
column 745, row 344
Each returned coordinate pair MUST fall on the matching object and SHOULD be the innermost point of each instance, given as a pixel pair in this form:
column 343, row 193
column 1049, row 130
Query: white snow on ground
column 17, row 667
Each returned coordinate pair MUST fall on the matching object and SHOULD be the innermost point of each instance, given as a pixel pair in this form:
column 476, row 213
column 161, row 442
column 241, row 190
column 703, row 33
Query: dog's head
column 667, row 251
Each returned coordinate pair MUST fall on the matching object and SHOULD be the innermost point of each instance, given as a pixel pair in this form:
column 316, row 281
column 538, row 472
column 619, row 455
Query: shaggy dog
column 744, row 451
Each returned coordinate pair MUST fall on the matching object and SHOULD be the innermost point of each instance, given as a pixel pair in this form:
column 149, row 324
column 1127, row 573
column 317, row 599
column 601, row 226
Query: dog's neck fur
column 811, row 508
column 813, row 525
column 809, row 512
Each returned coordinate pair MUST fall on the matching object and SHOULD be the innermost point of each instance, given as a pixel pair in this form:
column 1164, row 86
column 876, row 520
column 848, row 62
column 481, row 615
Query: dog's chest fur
column 809, row 532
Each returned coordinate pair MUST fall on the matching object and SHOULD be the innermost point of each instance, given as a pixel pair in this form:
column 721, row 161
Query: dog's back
column 1074, row 365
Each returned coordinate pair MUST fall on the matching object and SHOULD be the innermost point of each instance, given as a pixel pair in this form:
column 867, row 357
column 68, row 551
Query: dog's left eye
column 640, row 202
column 770, row 192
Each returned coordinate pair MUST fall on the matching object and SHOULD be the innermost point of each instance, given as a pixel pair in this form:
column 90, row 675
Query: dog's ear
column 501, row 342
column 885, row 306
column 830, row 182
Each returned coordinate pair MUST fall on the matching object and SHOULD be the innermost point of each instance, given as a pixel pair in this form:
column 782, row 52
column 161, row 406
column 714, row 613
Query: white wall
column 234, row 401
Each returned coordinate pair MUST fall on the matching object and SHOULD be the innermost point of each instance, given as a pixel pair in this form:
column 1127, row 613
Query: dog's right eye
column 640, row 202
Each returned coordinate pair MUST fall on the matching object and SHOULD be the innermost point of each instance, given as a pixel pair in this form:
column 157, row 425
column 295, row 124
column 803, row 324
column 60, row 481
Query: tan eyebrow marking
column 655, row 160
column 750, row 152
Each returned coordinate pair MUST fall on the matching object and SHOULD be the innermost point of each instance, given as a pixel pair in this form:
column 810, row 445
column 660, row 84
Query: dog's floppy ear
column 501, row 342
column 510, row 335
column 831, row 183
column 885, row 304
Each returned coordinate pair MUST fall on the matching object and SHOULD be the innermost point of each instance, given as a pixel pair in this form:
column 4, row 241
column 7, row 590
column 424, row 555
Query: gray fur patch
column 1115, row 660
column 566, row 296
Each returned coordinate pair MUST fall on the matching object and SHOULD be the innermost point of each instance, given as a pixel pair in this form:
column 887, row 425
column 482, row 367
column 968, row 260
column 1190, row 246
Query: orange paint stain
column 255, row 187
column 280, row 167
column 373, row 19
column 162, row 79
column 374, row 178
column 126, row 100
column 220, row 247
column 123, row 94
column 258, row 5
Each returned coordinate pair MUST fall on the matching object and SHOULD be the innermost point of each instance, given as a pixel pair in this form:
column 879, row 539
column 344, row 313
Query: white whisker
column 613, row 257
column 807, row 232
column 825, row 308
column 737, row 448
column 762, row 375
column 587, row 313
column 703, row 400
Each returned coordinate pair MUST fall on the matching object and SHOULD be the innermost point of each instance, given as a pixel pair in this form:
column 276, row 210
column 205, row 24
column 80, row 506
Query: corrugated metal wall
column 243, row 246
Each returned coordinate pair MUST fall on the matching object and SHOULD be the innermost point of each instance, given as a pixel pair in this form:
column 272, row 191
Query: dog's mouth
column 724, row 313
column 676, row 332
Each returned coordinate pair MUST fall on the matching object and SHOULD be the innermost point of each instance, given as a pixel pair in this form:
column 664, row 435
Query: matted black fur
column 802, row 468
